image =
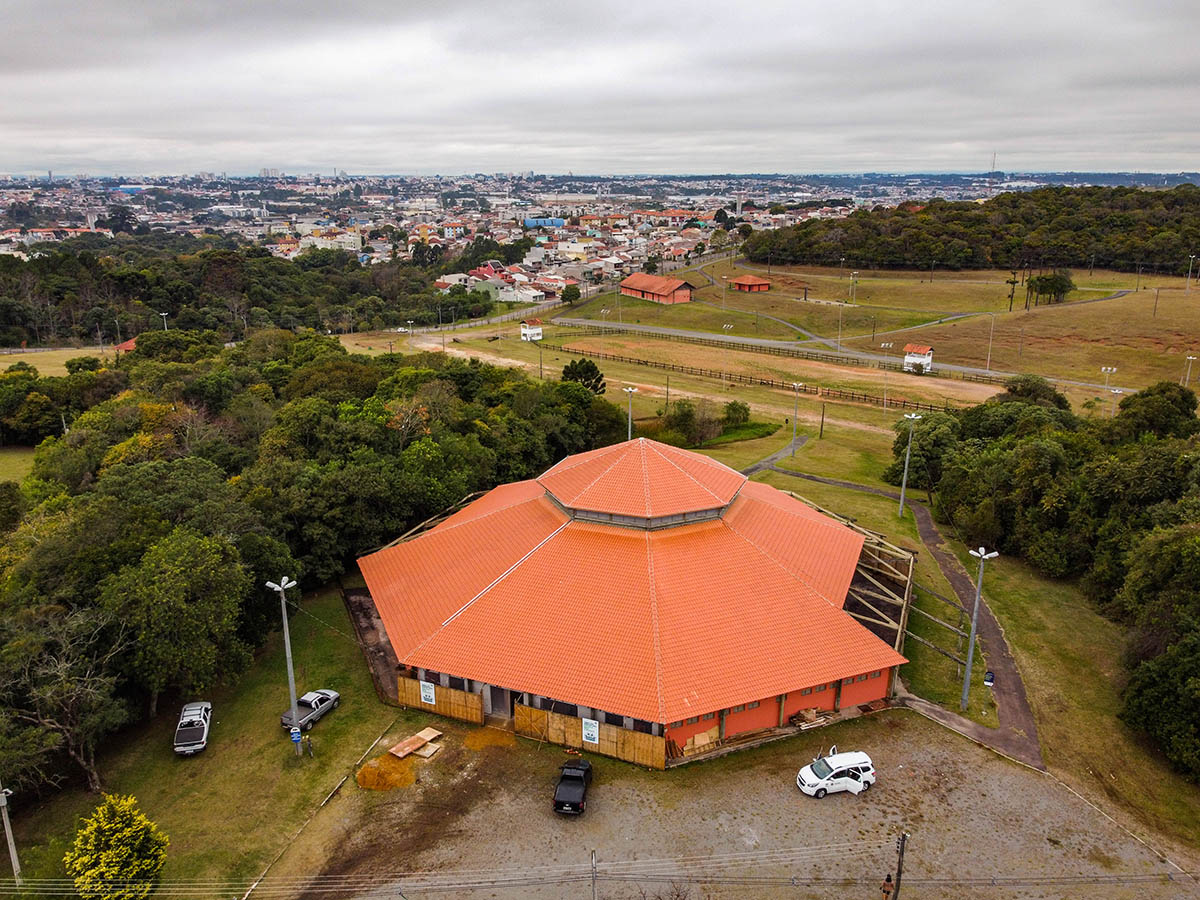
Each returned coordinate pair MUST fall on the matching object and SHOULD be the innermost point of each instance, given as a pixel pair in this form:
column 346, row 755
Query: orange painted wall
column 766, row 715
column 866, row 691
column 685, row 731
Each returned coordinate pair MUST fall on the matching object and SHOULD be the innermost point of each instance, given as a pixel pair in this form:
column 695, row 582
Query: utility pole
column 796, row 385
column 667, row 405
column 1012, row 289
column 5, row 793
column 981, row 555
column 901, row 843
column 539, row 346
column 822, row 434
column 282, row 587
column 1154, row 315
column 593, row 875
column 912, row 421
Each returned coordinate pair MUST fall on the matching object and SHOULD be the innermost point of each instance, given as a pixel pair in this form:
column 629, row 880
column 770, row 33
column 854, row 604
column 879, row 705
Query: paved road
column 1016, row 735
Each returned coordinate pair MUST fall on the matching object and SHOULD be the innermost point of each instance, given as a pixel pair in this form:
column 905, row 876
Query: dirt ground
column 483, row 804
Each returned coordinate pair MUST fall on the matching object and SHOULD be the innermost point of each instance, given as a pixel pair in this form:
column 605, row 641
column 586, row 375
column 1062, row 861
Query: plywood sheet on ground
column 428, row 750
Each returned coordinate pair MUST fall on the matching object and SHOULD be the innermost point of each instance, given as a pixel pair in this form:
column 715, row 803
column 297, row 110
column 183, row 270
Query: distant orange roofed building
column 750, row 283
column 656, row 288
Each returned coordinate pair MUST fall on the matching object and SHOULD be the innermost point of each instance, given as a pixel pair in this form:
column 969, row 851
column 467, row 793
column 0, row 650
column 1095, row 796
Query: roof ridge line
column 598, row 451
column 494, row 582
column 586, row 487
column 645, row 477
column 822, row 520
column 658, row 679
column 702, row 486
column 491, row 512
column 795, row 576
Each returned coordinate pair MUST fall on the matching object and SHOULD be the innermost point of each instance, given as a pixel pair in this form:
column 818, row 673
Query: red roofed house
column 918, row 358
column 637, row 600
column 656, row 288
column 750, row 283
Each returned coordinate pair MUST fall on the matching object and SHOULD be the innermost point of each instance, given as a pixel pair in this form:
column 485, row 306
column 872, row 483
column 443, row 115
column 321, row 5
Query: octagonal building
column 638, row 600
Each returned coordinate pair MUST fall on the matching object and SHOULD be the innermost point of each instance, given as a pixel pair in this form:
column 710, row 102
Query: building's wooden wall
column 631, row 746
column 452, row 703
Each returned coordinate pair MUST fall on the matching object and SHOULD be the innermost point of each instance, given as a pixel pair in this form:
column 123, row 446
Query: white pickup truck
column 191, row 734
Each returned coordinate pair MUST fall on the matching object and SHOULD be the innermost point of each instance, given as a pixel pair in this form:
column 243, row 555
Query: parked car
column 191, row 734
column 311, row 707
column 853, row 772
column 570, row 796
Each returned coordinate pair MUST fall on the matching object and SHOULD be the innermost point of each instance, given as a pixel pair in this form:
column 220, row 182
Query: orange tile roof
column 642, row 478
column 652, row 284
column 917, row 348
column 749, row 279
column 656, row 624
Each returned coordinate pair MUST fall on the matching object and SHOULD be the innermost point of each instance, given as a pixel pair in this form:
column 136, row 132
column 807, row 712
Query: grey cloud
column 695, row 86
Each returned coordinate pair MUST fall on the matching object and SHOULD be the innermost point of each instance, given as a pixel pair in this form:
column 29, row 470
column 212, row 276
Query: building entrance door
column 502, row 702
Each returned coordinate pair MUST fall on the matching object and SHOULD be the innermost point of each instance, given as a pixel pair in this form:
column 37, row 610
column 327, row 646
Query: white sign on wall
column 427, row 695
column 591, row 731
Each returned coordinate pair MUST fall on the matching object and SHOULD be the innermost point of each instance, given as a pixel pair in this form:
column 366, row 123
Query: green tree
column 1162, row 699
column 737, row 413
column 570, row 293
column 933, row 436
column 180, row 603
column 586, row 373
column 118, row 852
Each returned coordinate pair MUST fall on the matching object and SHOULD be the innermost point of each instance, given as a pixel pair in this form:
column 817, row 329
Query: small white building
column 918, row 358
column 531, row 330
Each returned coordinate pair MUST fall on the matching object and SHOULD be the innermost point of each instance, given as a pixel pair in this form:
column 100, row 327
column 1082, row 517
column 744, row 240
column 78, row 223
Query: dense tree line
column 92, row 289
column 1053, row 227
column 135, row 552
column 1113, row 501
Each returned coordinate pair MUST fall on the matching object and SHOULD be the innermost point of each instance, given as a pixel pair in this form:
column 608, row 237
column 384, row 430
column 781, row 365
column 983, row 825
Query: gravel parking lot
column 482, row 805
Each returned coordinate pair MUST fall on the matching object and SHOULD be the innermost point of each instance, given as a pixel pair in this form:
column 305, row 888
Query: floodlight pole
column 981, row 555
column 912, row 421
column 284, row 584
column 12, row 847
column 1187, row 376
column 164, row 318
column 1188, row 284
column 796, row 385
column 630, row 391
column 991, row 331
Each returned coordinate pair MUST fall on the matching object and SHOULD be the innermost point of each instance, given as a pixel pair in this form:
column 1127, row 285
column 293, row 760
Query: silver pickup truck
column 311, row 707
column 191, row 734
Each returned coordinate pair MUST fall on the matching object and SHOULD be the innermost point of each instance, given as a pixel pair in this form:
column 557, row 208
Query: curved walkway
column 1016, row 736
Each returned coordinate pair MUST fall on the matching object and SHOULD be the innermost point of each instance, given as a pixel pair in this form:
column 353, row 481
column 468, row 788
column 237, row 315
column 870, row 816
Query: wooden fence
column 555, row 728
column 735, row 377
column 790, row 352
column 449, row 702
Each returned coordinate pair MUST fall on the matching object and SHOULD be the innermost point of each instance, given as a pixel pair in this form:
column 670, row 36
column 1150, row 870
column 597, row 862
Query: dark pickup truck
column 571, row 794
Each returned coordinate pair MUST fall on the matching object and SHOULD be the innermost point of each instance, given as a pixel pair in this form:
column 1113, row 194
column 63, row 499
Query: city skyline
column 374, row 89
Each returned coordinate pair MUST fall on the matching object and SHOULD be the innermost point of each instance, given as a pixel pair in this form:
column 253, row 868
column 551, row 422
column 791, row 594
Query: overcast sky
column 411, row 86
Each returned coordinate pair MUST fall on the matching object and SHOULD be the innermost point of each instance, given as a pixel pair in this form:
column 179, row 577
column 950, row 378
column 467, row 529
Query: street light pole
column 912, row 421
column 164, row 318
column 1188, row 284
column 630, row 391
column 5, row 793
column 1188, row 374
column 981, row 555
column 1108, row 370
column 282, row 587
column 1112, row 411
column 796, row 385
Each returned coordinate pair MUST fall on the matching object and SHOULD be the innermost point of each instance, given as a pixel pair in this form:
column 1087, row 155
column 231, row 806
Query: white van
column 853, row 772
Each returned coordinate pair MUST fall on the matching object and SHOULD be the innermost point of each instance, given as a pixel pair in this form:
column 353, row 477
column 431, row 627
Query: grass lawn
column 229, row 810
column 1070, row 661
column 50, row 362
column 689, row 316
column 928, row 674
column 15, row 462
column 851, row 454
column 1073, row 341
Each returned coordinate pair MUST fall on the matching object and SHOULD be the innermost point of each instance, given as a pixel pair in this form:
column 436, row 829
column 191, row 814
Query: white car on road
column 853, row 772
